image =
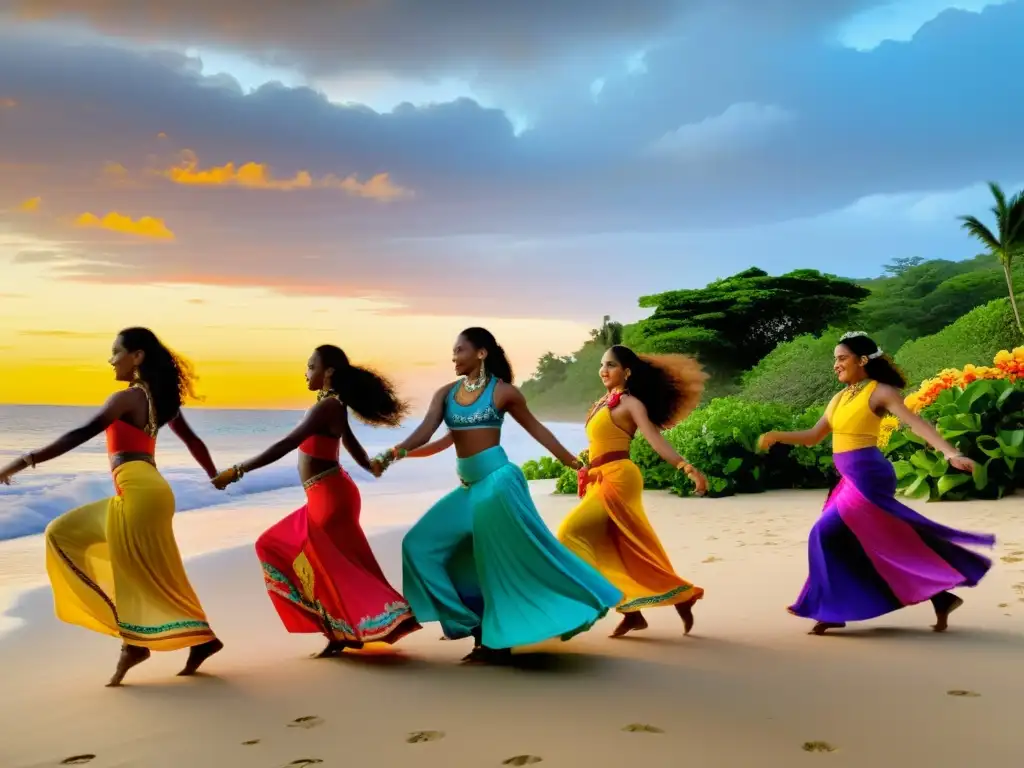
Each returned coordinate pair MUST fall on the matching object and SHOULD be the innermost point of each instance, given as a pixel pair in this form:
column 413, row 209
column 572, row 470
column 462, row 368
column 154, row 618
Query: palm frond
column 1000, row 197
column 973, row 227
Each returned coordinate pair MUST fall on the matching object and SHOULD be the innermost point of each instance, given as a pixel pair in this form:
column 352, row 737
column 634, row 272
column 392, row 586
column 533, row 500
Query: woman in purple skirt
column 869, row 554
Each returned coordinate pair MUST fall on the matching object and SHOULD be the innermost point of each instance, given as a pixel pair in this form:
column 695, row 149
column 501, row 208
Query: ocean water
column 39, row 495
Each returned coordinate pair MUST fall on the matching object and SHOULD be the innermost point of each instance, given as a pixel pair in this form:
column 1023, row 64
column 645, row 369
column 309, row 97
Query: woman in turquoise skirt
column 481, row 561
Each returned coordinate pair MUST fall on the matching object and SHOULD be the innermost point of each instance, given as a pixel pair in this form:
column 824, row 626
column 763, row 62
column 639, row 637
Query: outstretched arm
column 352, row 444
column 117, row 405
column 430, row 449
column 891, row 399
column 515, row 405
column 314, row 422
column 662, row 446
column 806, row 437
column 195, row 445
column 426, row 430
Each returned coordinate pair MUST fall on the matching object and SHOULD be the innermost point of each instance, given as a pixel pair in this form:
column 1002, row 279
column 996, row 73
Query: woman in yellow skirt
column 114, row 564
column 609, row 528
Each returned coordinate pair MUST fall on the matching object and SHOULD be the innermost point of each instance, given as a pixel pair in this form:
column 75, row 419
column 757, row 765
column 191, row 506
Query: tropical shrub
column 544, row 468
column 979, row 410
column 978, row 335
column 796, row 373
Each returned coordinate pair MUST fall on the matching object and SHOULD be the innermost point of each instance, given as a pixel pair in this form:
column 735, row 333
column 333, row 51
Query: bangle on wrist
column 239, row 472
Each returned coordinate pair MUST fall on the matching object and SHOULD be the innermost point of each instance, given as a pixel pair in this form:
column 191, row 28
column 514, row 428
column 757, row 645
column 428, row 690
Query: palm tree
column 1009, row 242
column 609, row 334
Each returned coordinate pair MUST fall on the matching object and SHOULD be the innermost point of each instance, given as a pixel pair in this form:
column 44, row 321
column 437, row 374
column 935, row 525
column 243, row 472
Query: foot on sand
column 944, row 605
column 198, row 654
column 823, row 626
column 336, row 648
column 484, row 655
column 633, row 621
column 685, row 611
column 131, row 656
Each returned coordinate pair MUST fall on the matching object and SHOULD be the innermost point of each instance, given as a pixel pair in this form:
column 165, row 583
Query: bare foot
column 823, row 626
column 333, row 648
column 633, row 621
column 198, row 654
column 942, row 613
column 685, row 611
column 484, row 655
column 131, row 656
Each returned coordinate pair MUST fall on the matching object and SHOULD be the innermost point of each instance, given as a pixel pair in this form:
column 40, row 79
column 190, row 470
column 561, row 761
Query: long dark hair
column 370, row 396
column 669, row 386
column 880, row 368
column 170, row 378
column 497, row 361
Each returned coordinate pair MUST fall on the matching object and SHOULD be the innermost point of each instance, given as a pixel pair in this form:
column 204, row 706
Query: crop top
column 481, row 414
column 854, row 424
column 321, row 447
column 123, row 437
column 605, row 436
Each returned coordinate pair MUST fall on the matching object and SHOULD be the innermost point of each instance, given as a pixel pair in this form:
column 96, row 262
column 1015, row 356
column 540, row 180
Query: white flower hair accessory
column 860, row 334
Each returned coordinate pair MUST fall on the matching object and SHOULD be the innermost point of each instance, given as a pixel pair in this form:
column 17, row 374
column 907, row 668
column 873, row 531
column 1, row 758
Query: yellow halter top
column 854, row 424
column 604, row 435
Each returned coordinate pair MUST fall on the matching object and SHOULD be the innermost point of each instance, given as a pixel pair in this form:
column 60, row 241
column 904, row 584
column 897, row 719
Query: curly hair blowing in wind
column 371, row 397
column 170, row 377
column 669, row 386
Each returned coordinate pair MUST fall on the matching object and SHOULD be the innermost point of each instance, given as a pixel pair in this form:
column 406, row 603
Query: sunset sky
column 253, row 179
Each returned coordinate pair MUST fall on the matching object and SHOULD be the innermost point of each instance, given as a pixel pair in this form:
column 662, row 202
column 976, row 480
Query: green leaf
column 733, row 465
column 919, row 489
column 902, row 468
column 915, row 438
column 990, row 446
column 1011, row 401
column 951, row 482
column 980, row 475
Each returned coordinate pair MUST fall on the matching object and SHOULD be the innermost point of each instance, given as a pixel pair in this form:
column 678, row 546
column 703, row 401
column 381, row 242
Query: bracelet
column 239, row 472
column 29, row 460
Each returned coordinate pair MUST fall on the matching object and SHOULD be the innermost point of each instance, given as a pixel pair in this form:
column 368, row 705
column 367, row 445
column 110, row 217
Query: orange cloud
column 147, row 226
column 31, row 205
column 258, row 176
column 8, row 103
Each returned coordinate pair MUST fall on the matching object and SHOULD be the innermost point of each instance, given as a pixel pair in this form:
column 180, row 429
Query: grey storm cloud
column 730, row 125
column 419, row 38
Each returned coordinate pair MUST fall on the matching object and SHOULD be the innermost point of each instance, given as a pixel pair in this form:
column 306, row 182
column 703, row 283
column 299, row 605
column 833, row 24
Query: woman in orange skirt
column 320, row 572
column 609, row 528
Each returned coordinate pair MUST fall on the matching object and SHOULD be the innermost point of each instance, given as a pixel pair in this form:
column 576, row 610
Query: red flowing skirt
column 321, row 574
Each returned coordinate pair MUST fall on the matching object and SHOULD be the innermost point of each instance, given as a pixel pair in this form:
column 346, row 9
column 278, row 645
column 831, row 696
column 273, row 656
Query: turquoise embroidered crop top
column 480, row 415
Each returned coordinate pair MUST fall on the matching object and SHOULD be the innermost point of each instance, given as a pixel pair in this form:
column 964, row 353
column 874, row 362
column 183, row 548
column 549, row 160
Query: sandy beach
column 749, row 687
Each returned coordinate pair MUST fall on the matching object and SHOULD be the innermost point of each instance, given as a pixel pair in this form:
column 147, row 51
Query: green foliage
column 544, row 468
column 974, row 338
column 985, row 422
column 923, row 298
column 733, row 323
column 720, row 439
column 795, row 373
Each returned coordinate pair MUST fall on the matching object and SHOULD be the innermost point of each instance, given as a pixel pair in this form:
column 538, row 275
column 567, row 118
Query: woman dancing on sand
column 114, row 564
column 609, row 528
column 319, row 570
column 869, row 554
column 481, row 561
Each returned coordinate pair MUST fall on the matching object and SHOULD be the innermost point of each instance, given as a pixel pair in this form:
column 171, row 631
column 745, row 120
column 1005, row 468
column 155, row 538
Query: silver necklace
column 474, row 386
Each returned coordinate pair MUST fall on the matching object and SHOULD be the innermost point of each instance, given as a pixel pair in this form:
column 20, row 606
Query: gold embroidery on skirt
column 305, row 573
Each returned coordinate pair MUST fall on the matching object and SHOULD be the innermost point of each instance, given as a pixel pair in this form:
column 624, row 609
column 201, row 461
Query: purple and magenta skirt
column 869, row 555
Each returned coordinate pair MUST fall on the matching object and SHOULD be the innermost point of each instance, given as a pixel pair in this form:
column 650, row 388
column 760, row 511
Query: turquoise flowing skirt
column 482, row 558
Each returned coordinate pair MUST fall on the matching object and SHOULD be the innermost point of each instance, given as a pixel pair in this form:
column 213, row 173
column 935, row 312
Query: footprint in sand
column 303, row 761
column 522, row 760
column 1003, row 605
column 250, row 742
column 642, row 728
column 711, row 559
column 78, row 760
column 307, row 721
column 1012, row 559
column 818, row 746
column 963, row 694
column 418, row 737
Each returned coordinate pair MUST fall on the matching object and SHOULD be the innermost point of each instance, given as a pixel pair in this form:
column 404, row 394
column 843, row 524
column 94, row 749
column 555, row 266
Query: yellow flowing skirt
column 609, row 529
column 115, row 567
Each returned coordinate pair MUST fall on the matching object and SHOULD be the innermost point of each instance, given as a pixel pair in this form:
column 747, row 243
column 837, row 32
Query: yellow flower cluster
column 889, row 425
column 1011, row 363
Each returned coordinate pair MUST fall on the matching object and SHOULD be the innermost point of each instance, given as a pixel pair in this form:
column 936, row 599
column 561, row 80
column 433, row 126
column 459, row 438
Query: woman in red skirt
column 319, row 570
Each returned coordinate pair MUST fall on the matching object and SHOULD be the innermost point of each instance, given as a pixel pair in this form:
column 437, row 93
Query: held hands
column 227, row 477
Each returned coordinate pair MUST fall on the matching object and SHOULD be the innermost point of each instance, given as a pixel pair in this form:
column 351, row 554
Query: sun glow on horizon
column 249, row 346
